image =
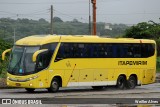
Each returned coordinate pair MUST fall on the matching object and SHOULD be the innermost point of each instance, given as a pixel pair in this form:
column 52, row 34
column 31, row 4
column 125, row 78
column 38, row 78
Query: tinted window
column 45, row 58
column 105, row 50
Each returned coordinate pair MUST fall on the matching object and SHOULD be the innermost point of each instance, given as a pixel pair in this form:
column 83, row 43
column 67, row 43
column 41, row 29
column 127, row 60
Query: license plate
column 18, row 84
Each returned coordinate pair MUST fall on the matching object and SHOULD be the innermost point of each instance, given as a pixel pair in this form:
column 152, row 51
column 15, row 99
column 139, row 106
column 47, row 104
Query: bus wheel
column 132, row 82
column 97, row 87
column 121, row 82
column 54, row 85
column 30, row 90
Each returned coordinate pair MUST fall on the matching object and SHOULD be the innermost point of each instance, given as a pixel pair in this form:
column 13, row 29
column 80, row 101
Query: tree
column 41, row 20
column 141, row 30
column 3, row 64
column 27, row 27
column 57, row 19
column 75, row 21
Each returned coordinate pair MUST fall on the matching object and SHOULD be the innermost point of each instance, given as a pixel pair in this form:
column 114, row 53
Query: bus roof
column 40, row 40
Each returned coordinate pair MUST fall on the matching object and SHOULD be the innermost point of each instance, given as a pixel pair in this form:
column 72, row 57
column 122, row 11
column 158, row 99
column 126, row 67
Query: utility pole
column 51, row 19
column 89, row 18
column 94, row 32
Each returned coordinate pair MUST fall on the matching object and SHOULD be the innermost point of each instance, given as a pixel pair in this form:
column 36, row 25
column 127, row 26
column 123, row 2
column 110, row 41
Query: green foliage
column 26, row 27
column 143, row 30
column 158, row 64
column 3, row 64
column 70, row 28
column 57, row 19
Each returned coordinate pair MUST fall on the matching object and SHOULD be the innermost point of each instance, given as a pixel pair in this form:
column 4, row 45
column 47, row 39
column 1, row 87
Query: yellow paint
column 4, row 53
column 37, row 53
column 84, row 70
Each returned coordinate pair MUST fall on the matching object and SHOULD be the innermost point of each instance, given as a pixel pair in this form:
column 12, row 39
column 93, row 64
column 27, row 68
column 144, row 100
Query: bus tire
column 30, row 90
column 132, row 82
column 97, row 87
column 121, row 82
column 54, row 87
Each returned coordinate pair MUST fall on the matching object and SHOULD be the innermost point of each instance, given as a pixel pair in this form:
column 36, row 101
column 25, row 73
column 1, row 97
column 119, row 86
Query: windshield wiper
column 15, row 67
column 18, row 63
column 24, row 63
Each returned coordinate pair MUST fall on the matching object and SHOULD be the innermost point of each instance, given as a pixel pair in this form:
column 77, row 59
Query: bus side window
column 101, row 50
column 107, row 50
column 77, row 50
column 91, row 48
column 122, row 51
column 147, row 50
column 119, row 53
column 87, row 51
column 81, row 50
column 95, row 51
column 128, row 50
column 114, row 50
column 144, row 48
column 137, row 51
column 45, row 58
column 151, row 49
column 67, row 50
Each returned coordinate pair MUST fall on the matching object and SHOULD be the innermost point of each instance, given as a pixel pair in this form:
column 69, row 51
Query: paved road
column 145, row 91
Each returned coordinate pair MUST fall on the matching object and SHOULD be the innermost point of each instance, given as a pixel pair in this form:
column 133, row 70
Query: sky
column 108, row 11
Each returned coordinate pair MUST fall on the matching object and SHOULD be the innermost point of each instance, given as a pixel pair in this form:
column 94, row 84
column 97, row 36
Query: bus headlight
column 31, row 78
column 30, row 84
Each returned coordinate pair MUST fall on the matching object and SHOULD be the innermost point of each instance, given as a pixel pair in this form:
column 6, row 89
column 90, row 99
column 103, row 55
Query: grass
column 158, row 64
column 3, row 75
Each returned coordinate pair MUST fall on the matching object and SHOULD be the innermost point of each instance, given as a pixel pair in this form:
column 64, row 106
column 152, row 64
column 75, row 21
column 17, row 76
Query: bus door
column 45, row 62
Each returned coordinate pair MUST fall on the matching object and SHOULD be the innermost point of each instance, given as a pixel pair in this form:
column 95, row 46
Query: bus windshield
column 21, row 60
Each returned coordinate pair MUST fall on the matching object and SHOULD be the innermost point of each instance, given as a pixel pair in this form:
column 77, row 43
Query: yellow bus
column 53, row 61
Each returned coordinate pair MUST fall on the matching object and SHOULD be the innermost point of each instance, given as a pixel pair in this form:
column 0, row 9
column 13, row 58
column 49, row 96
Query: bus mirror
column 4, row 53
column 34, row 57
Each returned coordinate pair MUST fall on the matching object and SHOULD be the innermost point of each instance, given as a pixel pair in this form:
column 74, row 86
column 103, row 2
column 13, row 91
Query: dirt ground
column 2, row 82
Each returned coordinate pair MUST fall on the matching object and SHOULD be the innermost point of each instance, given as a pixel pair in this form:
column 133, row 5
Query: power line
column 14, row 3
column 68, row 2
column 6, row 12
column 68, row 15
column 39, row 11
column 35, row 13
column 141, row 13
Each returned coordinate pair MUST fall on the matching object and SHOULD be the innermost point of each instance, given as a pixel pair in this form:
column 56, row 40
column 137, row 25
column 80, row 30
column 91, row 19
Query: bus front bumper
column 27, row 84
